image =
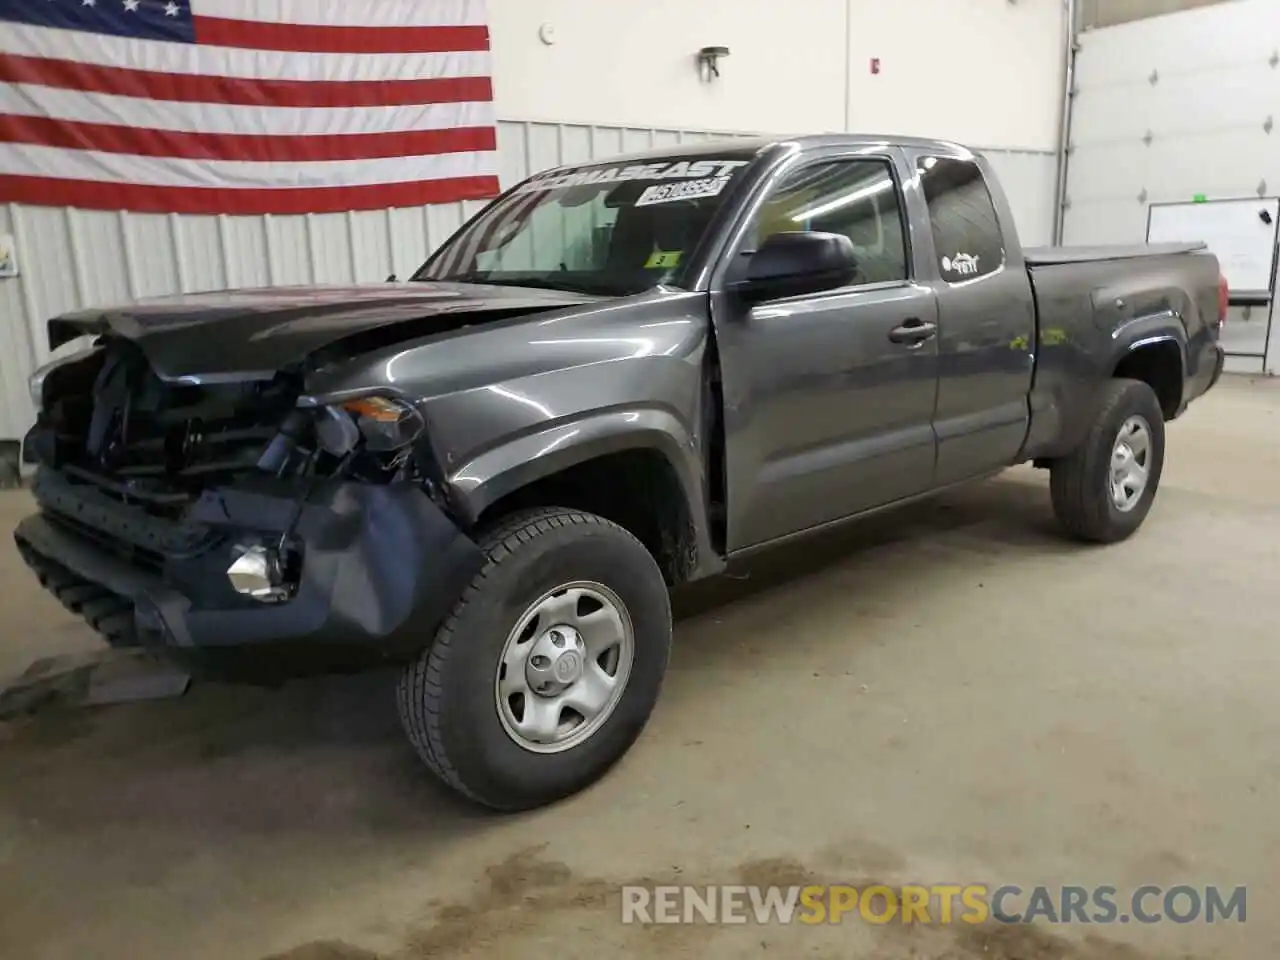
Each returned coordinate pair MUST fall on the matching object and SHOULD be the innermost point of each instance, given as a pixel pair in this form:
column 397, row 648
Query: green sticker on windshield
column 663, row 258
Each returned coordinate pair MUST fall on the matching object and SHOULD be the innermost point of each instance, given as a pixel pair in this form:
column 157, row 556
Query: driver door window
column 857, row 198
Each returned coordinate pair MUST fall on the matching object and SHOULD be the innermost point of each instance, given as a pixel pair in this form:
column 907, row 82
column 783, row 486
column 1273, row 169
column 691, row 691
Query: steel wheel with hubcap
column 564, row 667
column 1130, row 463
column 1103, row 490
column 549, row 666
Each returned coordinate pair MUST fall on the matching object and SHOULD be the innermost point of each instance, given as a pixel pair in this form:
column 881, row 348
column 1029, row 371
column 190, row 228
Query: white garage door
column 1172, row 109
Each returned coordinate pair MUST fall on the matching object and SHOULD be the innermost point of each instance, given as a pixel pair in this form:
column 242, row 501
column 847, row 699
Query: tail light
column 1224, row 300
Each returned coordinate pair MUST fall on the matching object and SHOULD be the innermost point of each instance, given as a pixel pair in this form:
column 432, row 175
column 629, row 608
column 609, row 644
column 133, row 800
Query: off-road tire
column 1080, row 482
column 446, row 696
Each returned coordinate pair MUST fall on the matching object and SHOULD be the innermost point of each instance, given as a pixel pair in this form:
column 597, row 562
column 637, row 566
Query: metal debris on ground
column 94, row 679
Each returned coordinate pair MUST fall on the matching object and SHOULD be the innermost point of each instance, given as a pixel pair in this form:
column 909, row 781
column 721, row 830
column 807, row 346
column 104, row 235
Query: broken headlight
column 384, row 423
column 35, row 382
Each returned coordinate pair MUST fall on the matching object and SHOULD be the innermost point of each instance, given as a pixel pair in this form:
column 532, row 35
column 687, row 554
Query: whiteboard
column 1233, row 230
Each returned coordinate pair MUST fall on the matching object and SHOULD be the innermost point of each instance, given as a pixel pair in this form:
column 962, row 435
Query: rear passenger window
column 966, row 231
column 858, row 198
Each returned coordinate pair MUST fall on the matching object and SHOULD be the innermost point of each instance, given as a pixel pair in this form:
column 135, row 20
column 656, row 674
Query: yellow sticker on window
column 663, row 258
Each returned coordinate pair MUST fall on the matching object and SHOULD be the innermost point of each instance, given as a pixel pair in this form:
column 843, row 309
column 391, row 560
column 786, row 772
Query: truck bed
column 1044, row 256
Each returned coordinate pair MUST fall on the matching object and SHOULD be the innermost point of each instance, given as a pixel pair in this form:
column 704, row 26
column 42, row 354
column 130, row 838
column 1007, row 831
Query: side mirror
column 792, row 264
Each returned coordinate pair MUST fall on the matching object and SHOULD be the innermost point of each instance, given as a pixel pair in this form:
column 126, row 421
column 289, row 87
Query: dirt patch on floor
column 527, row 898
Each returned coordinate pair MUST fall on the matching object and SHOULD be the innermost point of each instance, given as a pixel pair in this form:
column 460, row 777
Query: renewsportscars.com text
column 936, row 904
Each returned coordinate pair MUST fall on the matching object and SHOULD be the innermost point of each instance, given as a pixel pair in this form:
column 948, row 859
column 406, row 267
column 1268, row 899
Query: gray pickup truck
column 614, row 379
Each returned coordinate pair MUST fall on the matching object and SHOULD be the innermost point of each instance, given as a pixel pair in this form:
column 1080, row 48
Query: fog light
column 257, row 573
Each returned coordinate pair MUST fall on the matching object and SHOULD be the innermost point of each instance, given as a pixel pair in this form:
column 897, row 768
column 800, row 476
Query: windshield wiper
column 475, row 277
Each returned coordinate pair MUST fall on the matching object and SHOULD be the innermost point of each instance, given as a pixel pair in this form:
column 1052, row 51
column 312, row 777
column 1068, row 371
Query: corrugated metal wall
column 75, row 258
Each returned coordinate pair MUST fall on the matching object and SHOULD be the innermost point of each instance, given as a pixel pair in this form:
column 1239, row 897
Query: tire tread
column 420, row 692
column 1083, row 514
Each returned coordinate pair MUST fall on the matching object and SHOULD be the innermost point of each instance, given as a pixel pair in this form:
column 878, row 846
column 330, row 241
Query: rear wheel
column 549, row 666
column 1103, row 491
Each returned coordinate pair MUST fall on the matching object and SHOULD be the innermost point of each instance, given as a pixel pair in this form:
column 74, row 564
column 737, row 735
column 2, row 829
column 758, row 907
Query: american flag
column 245, row 106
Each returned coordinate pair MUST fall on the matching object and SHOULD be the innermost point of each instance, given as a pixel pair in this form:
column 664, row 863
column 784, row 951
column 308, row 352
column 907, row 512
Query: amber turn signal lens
column 385, row 423
column 378, row 409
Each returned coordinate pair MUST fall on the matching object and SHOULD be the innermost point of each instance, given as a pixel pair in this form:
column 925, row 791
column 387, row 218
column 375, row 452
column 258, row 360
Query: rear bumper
column 381, row 566
column 1209, row 359
column 1219, row 363
column 1212, row 360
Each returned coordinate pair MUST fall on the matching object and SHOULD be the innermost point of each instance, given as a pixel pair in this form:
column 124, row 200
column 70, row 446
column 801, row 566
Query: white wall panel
column 198, row 253
column 1107, row 13
column 1028, row 179
column 246, row 251
column 1169, row 108
column 786, row 71
column 72, row 259
column 979, row 71
column 16, row 303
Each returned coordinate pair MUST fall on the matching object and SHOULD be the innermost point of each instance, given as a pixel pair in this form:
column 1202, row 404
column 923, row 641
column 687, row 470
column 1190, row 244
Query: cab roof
column 754, row 146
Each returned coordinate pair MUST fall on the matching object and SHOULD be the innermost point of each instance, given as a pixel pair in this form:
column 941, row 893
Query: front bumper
column 381, row 567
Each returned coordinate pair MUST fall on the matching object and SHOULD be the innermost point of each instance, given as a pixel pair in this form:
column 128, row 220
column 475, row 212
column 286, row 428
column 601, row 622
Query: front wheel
column 549, row 666
column 1103, row 491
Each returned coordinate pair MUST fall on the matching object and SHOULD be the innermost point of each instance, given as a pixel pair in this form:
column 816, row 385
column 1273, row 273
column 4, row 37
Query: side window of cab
column 966, row 230
column 858, row 198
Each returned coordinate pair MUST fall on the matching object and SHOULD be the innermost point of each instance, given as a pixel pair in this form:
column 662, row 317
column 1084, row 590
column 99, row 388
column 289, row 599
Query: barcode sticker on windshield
column 682, row 190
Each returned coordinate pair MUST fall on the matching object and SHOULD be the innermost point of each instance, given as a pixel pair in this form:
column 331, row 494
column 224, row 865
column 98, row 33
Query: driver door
column 828, row 397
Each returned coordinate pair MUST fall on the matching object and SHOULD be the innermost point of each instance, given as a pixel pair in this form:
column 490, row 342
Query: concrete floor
column 951, row 694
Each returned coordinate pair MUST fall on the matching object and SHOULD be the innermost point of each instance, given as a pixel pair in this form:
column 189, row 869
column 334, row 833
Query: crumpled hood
column 253, row 333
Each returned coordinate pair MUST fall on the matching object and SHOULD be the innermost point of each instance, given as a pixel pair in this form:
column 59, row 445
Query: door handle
column 914, row 332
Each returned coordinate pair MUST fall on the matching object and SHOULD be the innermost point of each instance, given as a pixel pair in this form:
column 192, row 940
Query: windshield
column 611, row 229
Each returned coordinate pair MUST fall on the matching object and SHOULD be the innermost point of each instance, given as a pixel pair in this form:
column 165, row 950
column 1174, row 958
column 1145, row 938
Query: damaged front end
column 236, row 520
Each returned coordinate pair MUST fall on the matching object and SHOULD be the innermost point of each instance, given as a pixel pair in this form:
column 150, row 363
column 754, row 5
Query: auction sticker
column 662, row 258
column 682, row 190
